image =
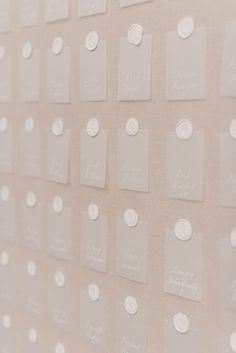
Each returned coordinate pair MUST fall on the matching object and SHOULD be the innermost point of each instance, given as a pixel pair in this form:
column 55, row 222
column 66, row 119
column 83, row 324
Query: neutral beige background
column 213, row 115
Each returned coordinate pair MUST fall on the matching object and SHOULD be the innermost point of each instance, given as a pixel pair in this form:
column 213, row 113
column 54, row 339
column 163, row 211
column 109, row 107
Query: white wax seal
column 2, row 53
column 33, row 335
column 132, row 127
column 184, row 129
column 3, row 124
column 232, row 341
column 181, row 323
column 93, row 292
column 233, row 238
column 93, row 211
column 4, row 258
column 183, row 229
column 131, row 305
column 185, row 27
column 6, row 321
column 59, row 279
column 233, row 129
column 29, row 125
column 31, row 199
column 135, row 34
column 31, row 268
column 57, row 45
column 59, row 348
column 93, row 127
column 91, row 41
column 57, row 127
column 27, row 50
column 57, row 204
column 5, row 193
column 130, row 217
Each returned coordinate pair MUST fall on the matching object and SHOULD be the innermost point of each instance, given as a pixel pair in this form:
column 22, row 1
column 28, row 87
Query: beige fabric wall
column 213, row 114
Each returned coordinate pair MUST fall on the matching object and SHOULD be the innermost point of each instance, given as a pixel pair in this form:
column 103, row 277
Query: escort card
column 5, row 82
column 31, row 153
column 31, row 225
column 183, row 266
column 185, row 167
column 7, row 220
column 29, row 78
column 91, row 7
column 186, row 66
column 134, row 79
column 6, row 151
column 28, row 12
column 5, row 9
column 228, row 74
column 56, row 10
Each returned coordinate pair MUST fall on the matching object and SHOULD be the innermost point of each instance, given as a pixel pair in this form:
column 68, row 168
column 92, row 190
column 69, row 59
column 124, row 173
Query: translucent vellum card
column 132, row 160
column 185, row 167
column 58, row 76
column 60, row 305
column 93, row 322
column 93, row 159
column 6, row 151
column 134, row 79
column 8, row 340
column 56, row 10
column 93, row 72
column 91, row 7
column 124, row 3
column 5, row 82
column 132, row 251
column 93, row 242
column 186, row 66
column 227, row 171
column 29, row 85
column 131, row 333
column 228, row 273
column 186, row 342
column 31, row 153
column 31, row 225
column 33, row 291
column 58, row 153
column 28, row 12
column 5, row 9
column 59, row 233
column 183, row 266
column 8, row 281
column 7, row 220
column 228, row 75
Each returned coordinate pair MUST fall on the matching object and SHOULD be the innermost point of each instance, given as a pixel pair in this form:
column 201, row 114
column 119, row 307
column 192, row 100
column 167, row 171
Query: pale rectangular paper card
column 29, row 85
column 5, row 82
column 93, row 73
column 132, row 251
column 186, row 66
column 91, row 7
column 185, row 167
column 28, row 12
column 93, row 159
column 132, row 160
column 58, row 153
column 7, row 220
column 228, row 75
column 93, row 322
column 93, row 242
column 131, row 332
column 31, row 225
column 59, row 233
column 31, row 153
column 33, row 291
column 6, row 151
column 188, row 342
column 134, row 79
column 8, row 340
column 56, row 10
column 5, row 7
column 124, row 3
column 228, row 273
column 183, row 266
column 58, row 76
column 227, row 171
column 60, row 305
column 8, row 281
